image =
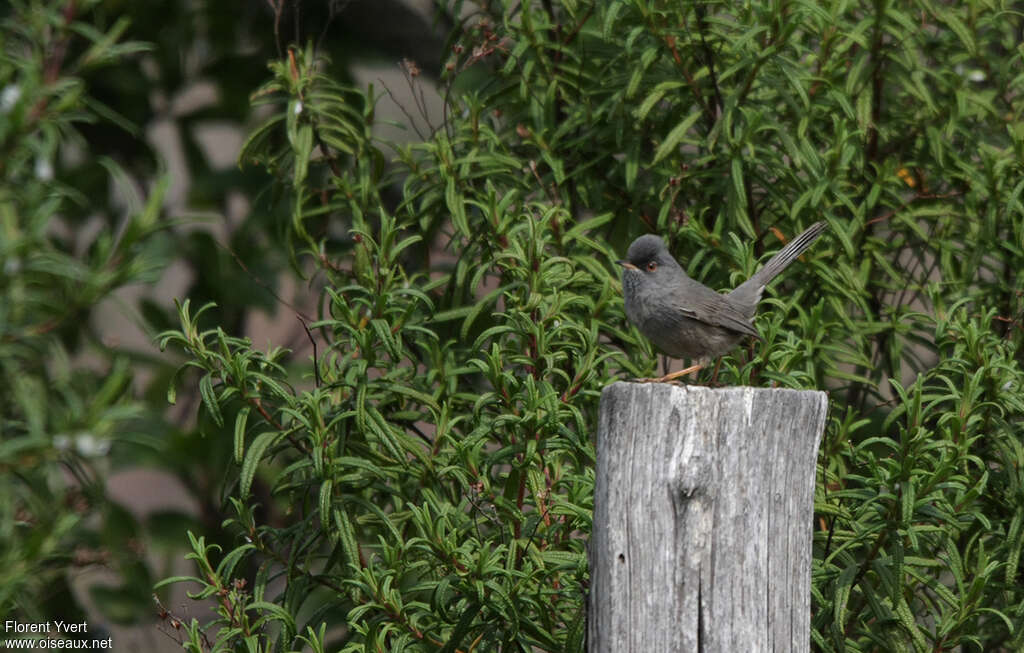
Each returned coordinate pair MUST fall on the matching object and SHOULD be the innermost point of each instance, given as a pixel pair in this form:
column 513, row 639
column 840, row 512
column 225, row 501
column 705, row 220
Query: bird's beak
column 627, row 265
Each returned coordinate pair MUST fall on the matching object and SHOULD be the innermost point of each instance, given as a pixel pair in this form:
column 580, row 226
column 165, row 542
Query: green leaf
column 655, row 96
column 240, row 420
column 226, row 568
column 326, row 498
column 676, row 136
column 210, row 399
column 347, row 538
column 253, row 457
column 465, row 622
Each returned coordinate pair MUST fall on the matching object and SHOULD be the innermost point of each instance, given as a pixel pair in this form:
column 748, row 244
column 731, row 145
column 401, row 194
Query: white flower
column 9, row 96
column 44, row 169
column 90, row 446
column 85, row 443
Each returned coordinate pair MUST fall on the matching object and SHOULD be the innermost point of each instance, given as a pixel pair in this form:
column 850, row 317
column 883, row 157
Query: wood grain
column 703, row 511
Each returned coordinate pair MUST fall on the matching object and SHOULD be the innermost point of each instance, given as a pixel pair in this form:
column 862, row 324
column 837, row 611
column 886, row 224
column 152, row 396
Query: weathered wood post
column 703, row 512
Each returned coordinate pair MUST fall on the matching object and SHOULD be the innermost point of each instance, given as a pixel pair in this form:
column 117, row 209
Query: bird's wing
column 699, row 302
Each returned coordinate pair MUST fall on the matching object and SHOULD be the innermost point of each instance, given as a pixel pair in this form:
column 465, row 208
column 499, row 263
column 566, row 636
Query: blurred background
column 168, row 123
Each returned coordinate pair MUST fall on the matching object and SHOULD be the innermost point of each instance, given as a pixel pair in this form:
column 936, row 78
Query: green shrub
column 66, row 243
column 430, row 472
column 78, row 405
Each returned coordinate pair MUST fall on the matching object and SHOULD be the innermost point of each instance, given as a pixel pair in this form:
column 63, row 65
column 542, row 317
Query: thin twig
column 277, row 6
column 408, row 116
column 261, row 283
column 710, row 61
column 316, row 357
column 334, row 7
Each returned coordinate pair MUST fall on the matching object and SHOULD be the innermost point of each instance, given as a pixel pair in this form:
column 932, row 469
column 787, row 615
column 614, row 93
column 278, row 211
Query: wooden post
column 703, row 511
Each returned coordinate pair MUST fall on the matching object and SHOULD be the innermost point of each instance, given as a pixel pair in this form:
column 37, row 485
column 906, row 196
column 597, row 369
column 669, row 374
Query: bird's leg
column 674, row 375
column 693, row 369
column 714, row 376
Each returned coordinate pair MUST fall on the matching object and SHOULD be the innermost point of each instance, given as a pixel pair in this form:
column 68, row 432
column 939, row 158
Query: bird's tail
column 749, row 292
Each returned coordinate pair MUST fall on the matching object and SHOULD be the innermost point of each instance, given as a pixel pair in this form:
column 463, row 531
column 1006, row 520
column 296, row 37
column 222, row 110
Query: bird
column 683, row 317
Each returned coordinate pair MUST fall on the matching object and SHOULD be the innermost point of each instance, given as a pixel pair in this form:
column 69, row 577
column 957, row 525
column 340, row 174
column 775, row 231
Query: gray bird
column 685, row 318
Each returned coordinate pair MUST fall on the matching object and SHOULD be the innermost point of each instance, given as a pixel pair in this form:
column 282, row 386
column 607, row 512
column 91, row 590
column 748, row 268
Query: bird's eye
column 652, row 266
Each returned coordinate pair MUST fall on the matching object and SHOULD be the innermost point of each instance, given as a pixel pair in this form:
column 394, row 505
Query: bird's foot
column 671, row 378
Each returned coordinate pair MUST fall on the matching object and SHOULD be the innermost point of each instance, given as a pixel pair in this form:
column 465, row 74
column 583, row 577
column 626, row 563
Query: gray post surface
column 703, row 511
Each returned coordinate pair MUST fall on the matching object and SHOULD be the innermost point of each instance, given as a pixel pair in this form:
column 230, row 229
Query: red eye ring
column 652, row 266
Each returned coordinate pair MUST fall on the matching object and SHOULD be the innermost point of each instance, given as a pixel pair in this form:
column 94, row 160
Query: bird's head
column 648, row 258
